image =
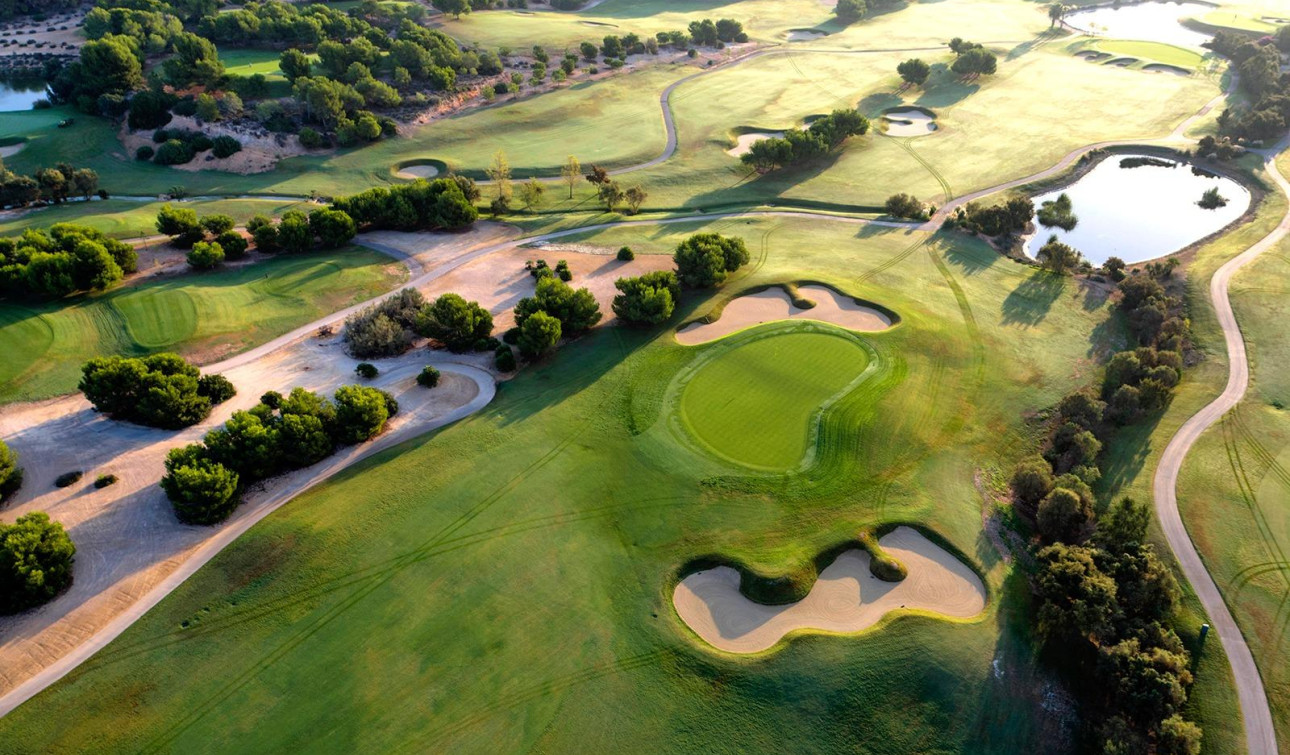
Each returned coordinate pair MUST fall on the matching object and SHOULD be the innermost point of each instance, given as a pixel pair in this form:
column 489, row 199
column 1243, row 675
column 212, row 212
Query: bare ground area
column 775, row 304
column 846, row 597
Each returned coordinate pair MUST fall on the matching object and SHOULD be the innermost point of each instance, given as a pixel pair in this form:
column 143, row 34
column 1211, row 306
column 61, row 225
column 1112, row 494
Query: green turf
column 756, row 400
column 1235, row 20
column 133, row 220
column 1150, row 52
column 205, row 316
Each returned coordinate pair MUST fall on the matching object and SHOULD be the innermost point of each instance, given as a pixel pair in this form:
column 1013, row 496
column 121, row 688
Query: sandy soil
column 127, row 539
column 744, row 142
column 846, row 598
column 12, row 149
column 774, row 304
column 55, row 41
column 909, row 123
column 260, row 153
column 418, row 171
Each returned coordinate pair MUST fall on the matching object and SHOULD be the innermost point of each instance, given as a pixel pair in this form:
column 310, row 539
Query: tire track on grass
column 1234, row 426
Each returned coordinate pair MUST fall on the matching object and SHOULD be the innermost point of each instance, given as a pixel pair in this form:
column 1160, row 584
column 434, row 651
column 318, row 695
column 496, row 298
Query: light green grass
column 1235, row 20
column 1150, row 52
column 504, row 584
column 202, row 315
column 756, row 401
column 127, row 219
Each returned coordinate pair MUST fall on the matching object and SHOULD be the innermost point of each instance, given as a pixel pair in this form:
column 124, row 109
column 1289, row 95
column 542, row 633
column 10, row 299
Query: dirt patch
column 846, row 597
column 744, row 142
column 25, row 34
column 774, row 304
column 261, row 150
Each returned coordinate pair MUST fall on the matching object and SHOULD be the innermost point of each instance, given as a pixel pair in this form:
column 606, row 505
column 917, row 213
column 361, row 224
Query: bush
column 905, row 206
column 361, row 413
column 332, row 227
column 181, row 224
column 626, row 254
column 311, row 139
column 173, row 152
column 36, row 558
column 458, row 323
column 366, row 370
column 104, row 480
column 200, row 490
column 233, row 243
column 160, row 390
column 705, row 260
column 10, row 472
column 205, row 255
column 144, row 153
column 428, row 378
column 225, row 146
column 504, row 359
column 577, row 310
column 67, row 479
column 384, row 329
column 217, row 388
column 648, row 299
column 539, row 334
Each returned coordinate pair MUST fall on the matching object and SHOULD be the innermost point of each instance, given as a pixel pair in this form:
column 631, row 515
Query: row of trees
column 212, row 239
column 994, row 221
column 438, row 204
column 62, row 260
column 1261, row 77
column 850, row 11
column 204, row 480
column 821, row 137
column 160, row 390
column 972, row 60
column 48, row 185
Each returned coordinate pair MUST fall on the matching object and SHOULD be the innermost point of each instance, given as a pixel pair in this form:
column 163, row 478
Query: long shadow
column 970, row 258
column 945, row 88
column 872, row 105
column 1125, row 456
column 1028, row 304
column 770, row 186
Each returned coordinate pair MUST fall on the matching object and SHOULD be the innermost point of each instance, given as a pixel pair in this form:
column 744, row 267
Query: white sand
column 418, row 171
column 12, row 149
column 846, row 598
column 744, row 142
column 805, row 35
column 774, row 304
column 909, row 123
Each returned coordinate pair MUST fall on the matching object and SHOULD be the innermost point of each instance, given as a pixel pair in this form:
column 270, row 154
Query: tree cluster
column 850, row 11
column 160, row 390
column 905, row 206
column 438, row 204
column 459, row 324
column 10, row 472
column 995, row 220
column 705, row 260
column 49, row 185
column 1261, row 78
column 972, row 60
column 204, row 480
column 15, row 8
column 1058, row 213
column 797, row 145
column 35, row 562
column 574, row 312
column 64, row 259
column 384, row 329
column 647, row 299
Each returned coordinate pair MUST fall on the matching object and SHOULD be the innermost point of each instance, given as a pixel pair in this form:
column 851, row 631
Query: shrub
column 626, row 254
column 67, row 479
column 144, row 153
column 705, row 260
column 539, row 334
column 458, row 323
column 160, row 390
column 10, row 472
column 384, row 329
column 173, row 152
column 311, row 139
column 881, row 563
column 504, row 359
column 104, row 480
column 233, row 243
column 36, row 558
column 225, row 146
column 576, row 310
column 562, row 271
column 905, row 206
column 361, row 413
column 200, row 490
column 217, row 388
column 333, row 228
column 366, row 370
column 648, row 299
column 181, row 224
column 428, row 378
column 436, row 204
column 205, row 255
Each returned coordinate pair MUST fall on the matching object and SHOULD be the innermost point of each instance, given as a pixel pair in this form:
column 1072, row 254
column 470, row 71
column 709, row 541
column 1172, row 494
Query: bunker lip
column 909, row 121
column 774, row 304
column 744, row 142
column 421, row 168
column 846, row 598
column 1166, row 68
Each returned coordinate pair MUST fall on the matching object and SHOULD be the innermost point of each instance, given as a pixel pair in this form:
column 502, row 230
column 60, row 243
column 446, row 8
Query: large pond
column 1153, row 22
column 1140, row 213
column 20, row 94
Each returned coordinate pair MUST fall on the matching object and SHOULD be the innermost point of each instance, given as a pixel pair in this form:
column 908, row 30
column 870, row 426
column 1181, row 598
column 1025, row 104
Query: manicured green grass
column 204, row 315
column 1150, row 52
column 504, row 584
column 1235, row 20
column 127, row 219
column 756, row 398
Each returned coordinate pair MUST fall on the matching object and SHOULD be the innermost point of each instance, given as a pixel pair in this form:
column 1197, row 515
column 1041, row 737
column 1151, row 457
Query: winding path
column 1260, row 734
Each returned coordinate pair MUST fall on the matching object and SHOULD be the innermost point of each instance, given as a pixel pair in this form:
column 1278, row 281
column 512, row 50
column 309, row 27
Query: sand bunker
column 846, row 597
column 1162, row 68
column 417, row 171
column 805, row 35
column 774, row 304
column 1092, row 55
column 12, row 149
column 1122, row 62
column 909, row 122
column 744, row 142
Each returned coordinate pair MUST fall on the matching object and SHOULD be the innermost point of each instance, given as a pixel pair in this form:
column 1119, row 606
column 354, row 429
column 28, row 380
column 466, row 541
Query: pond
column 1140, row 213
column 19, row 94
column 1152, row 22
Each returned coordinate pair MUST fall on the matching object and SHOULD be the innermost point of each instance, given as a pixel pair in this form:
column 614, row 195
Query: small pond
column 1152, row 22
column 19, row 94
column 1140, row 213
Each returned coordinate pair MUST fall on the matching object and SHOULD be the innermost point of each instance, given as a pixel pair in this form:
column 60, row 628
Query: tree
column 361, row 413
column 294, row 233
column 233, row 243
column 205, row 255
column 850, row 11
column 1123, row 526
column 428, row 377
column 705, row 260
column 1176, row 736
column 10, row 472
column 905, row 206
column 35, row 561
column 539, row 334
column 217, row 224
column 294, row 64
column 647, row 299
column 914, row 72
column 455, row 7
column 159, row 390
column 611, row 195
column 207, row 108
column 1063, row 516
column 1031, row 483
column 571, row 173
column 532, row 194
column 180, row 223
column 200, row 490
column 1055, row 13
column 635, row 196
column 499, row 172
column 1057, row 213
column 108, row 66
column 1077, row 600
column 1057, row 257
column 334, row 228
column 974, row 62
column 577, row 310
column 458, row 323
column 195, row 61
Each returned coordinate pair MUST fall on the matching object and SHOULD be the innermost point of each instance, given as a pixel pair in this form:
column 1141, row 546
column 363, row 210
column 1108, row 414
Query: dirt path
column 845, row 598
column 1260, row 734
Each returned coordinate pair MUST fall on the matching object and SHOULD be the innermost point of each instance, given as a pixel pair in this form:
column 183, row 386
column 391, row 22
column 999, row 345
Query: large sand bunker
column 417, row 171
column 744, row 142
column 909, row 122
column 775, row 304
column 846, row 597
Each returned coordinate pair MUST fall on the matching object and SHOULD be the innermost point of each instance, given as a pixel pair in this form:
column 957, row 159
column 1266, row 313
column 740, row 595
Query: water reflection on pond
column 1140, row 213
column 1153, row 22
column 19, row 94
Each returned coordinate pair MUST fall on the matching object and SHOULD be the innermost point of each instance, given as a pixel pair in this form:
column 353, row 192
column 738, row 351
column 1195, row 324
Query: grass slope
column 203, row 315
column 428, row 601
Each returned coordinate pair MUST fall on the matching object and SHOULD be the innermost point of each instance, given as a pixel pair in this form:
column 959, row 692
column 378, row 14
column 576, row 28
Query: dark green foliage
column 294, row 233
column 705, row 260
column 233, row 243
column 384, row 329
column 225, row 146
column 361, row 413
column 173, row 152
column 577, row 310
column 850, row 11
column 504, row 359
column 648, row 299
column 458, row 323
column 61, row 260
column 421, row 205
column 428, row 377
column 200, row 490
column 913, row 71
column 104, row 480
column 10, row 472
column 205, row 255
column 332, row 227
column 1031, row 483
column 67, row 479
column 539, row 334
column 996, row 220
column 35, row 561
column 366, row 370
column 149, row 109
column 195, row 61
column 975, row 62
column 144, row 153
column 905, row 206
column 161, row 390
column 1057, row 213
column 626, row 254
column 823, row 135
column 217, row 388
column 1063, row 517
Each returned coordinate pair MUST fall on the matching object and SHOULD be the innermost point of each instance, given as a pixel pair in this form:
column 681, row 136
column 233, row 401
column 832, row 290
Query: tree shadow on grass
column 1095, row 294
column 768, row 187
column 1125, row 456
column 945, row 88
column 1029, row 302
column 968, row 255
column 872, row 105
column 1026, row 47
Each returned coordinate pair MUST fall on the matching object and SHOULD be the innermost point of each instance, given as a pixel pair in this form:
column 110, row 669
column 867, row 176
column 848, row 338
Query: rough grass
column 200, row 315
column 431, row 602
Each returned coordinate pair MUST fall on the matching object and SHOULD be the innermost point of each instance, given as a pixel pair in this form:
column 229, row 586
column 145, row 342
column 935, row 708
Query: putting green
column 757, row 402
column 156, row 318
